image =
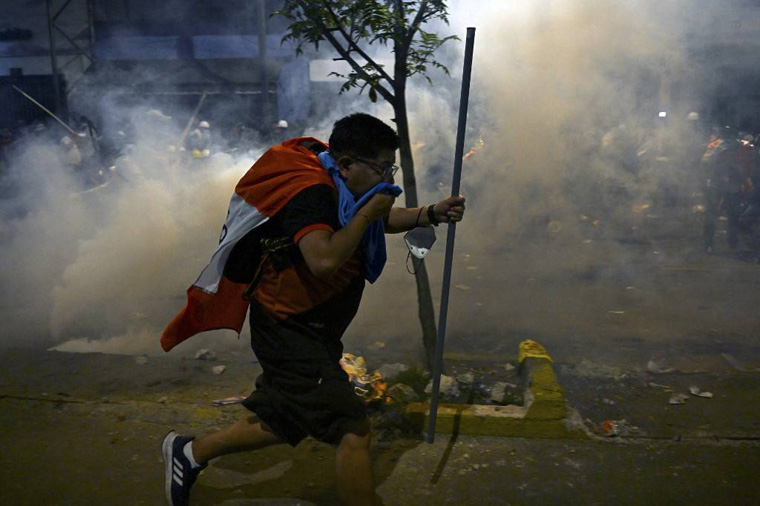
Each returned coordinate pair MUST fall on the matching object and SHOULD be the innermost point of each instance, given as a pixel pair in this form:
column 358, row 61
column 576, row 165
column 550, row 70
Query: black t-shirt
column 316, row 204
column 286, row 287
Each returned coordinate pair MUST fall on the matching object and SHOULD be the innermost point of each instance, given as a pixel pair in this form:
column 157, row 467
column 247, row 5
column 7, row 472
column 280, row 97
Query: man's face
column 362, row 174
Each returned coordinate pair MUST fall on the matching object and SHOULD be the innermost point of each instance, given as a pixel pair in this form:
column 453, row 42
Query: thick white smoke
column 550, row 79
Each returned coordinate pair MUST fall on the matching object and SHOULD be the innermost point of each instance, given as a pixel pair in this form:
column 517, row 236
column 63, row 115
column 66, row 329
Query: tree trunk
column 424, row 296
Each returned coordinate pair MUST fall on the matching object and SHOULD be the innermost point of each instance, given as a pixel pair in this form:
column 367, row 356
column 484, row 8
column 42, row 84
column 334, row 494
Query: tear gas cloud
column 105, row 270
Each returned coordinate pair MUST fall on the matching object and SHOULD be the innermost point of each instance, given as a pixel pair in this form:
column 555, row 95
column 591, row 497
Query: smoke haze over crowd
column 105, row 270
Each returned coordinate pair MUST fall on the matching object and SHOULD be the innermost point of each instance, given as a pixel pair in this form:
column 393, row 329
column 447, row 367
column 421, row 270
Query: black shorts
column 303, row 390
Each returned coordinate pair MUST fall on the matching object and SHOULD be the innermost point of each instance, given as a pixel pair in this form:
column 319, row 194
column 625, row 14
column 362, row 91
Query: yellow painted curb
column 543, row 414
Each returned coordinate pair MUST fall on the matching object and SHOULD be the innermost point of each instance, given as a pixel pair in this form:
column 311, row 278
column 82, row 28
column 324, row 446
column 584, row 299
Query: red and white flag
column 213, row 300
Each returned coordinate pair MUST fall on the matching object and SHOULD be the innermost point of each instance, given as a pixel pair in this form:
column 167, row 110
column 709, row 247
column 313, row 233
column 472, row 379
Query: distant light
column 662, row 114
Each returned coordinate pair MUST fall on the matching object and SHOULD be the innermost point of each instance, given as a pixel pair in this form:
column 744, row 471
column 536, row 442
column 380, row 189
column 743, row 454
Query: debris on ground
column 141, row 359
column 390, row 371
column 695, row 390
column 610, row 428
column 658, row 365
column 621, row 428
column 678, row 399
column 505, row 393
column 466, row 379
column 448, row 387
column 370, row 386
column 227, row 401
column 402, row 393
column 218, row 369
column 204, row 354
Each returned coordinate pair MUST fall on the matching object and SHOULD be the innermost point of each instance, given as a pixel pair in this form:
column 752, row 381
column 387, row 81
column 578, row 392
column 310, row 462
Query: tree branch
column 352, row 46
column 357, row 68
column 414, row 26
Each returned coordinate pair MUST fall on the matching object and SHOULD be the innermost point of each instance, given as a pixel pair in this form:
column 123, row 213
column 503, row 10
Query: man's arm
column 325, row 252
column 402, row 219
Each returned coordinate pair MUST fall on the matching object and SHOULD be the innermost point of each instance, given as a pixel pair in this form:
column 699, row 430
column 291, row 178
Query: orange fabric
column 295, row 289
column 276, row 177
column 305, row 230
column 226, row 309
column 280, row 174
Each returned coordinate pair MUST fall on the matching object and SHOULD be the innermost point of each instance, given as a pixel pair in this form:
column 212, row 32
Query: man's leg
column 244, row 435
column 185, row 457
column 356, row 485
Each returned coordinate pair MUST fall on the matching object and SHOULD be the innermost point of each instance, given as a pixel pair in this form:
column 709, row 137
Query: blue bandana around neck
column 373, row 242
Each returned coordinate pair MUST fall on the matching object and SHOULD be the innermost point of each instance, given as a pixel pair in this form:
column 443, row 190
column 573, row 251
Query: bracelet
column 417, row 221
column 431, row 216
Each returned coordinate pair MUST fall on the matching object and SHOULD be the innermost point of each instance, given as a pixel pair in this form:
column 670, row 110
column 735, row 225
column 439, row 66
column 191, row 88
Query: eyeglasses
column 384, row 171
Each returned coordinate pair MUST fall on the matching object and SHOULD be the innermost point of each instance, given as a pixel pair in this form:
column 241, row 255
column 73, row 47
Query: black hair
column 363, row 135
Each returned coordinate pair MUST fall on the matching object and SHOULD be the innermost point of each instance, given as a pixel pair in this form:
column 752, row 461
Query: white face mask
column 419, row 241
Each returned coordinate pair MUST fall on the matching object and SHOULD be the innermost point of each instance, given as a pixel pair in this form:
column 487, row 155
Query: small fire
column 369, row 386
column 477, row 147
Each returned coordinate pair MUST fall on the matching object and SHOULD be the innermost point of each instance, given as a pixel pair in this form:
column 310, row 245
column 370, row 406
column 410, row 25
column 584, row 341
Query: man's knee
column 355, row 434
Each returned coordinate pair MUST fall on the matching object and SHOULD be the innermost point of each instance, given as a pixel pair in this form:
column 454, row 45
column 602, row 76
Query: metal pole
column 461, row 127
column 53, row 59
column 59, row 120
column 191, row 121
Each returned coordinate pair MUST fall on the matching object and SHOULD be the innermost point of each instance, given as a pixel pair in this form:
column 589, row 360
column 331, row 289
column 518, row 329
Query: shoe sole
column 166, row 451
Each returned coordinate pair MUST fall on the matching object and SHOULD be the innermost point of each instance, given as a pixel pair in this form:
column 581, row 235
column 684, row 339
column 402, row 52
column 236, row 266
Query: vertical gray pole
column 461, row 127
column 53, row 60
column 262, row 33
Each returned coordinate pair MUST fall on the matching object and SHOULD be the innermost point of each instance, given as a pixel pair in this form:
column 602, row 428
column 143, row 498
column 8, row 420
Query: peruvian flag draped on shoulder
column 214, row 301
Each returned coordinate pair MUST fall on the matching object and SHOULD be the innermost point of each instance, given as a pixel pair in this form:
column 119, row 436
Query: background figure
column 752, row 214
column 199, row 141
column 727, row 165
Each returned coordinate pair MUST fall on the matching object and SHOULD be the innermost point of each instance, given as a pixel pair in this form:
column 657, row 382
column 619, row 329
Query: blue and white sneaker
column 179, row 474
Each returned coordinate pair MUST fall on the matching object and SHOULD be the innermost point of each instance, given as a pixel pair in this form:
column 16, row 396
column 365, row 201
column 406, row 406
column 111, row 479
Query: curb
column 544, row 413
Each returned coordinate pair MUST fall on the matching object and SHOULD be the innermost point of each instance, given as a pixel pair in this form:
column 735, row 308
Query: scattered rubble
column 658, row 365
column 466, row 379
column 620, row 428
column 227, row 401
column 448, row 387
column 695, row 390
column 218, row 369
column 402, row 393
column 390, row 371
column 678, row 399
column 204, row 354
column 505, row 393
